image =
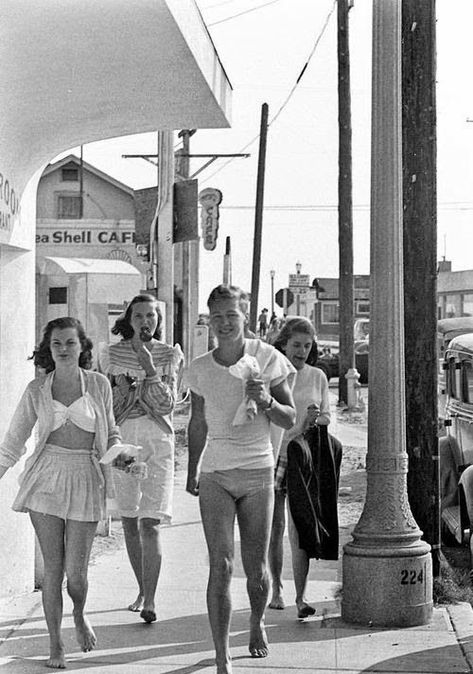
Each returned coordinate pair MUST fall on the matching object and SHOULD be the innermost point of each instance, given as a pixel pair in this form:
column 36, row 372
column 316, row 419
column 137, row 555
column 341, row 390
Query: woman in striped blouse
column 145, row 375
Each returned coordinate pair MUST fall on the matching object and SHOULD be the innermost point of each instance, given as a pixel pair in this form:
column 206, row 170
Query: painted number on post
column 412, row 576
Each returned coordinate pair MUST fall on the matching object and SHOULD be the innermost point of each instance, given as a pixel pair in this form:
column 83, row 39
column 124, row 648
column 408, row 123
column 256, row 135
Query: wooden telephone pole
column 345, row 210
column 258, row 217
column 420, row 264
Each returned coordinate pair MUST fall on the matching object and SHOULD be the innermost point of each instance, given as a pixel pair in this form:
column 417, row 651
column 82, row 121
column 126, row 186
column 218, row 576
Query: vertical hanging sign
column 209, row 198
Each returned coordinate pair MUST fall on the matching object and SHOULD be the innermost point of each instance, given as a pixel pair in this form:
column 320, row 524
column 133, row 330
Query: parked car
column 456, row 447
column 447, row 329
column 329, row 362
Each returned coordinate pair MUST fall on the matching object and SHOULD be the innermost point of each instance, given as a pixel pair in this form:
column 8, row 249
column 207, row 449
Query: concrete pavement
column 180, row 641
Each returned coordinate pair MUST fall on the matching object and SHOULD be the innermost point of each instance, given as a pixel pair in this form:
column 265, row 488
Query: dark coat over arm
column 313, row 471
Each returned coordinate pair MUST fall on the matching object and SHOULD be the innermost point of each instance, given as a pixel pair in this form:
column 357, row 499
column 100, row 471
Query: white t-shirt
column 228, row 446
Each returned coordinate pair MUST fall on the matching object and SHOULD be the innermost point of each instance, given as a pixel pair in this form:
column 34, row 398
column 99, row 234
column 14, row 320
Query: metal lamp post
column 272, row 273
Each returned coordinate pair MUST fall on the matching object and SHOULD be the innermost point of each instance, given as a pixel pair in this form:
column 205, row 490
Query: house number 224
column 412, row 576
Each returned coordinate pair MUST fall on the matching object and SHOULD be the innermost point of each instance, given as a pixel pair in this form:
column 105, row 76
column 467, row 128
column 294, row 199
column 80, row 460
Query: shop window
column 68, row 207
column 70, row 174
column 363, row 308
column 58, row 295
column 467, row 304
column 330, row 313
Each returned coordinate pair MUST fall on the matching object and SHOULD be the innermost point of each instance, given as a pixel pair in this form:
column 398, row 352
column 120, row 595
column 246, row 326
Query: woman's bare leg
column 133, row 547
column 151, row 554
column 300, row 569
column 276, row 549
column 50, row 532
column 79, row 539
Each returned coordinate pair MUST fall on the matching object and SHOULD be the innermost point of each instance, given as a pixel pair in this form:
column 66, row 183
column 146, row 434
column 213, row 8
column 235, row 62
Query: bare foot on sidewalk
column 277, row 602
column 304, row 610
column 84, row 633
column 56, row 658
column 137, row 605
column 258, row 642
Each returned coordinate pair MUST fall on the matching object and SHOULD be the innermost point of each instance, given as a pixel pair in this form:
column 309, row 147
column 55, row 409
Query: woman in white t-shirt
column 311, row 397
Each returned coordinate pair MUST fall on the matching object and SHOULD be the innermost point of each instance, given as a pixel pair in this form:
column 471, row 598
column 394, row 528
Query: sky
column 264, row 45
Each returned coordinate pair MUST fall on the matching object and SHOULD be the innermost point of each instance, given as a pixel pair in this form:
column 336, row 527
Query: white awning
column 78, row 72
column 105, row 281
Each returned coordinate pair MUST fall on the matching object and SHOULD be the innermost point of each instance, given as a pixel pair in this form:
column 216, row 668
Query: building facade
column 454, row 291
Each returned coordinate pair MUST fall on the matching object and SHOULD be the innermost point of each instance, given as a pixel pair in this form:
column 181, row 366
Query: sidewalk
column 180, row 642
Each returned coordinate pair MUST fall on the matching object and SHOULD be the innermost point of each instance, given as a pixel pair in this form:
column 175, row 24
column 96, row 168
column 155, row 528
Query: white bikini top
column 81, row 412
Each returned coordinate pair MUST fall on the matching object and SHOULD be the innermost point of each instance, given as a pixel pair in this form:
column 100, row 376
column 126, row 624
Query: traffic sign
column 279, row 297
column 299, row 281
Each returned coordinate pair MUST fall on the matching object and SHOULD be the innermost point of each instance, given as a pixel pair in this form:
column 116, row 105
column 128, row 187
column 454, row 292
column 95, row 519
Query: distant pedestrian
column 263, row 323
column 144, row 373
column 236, row 390
column 63, row 487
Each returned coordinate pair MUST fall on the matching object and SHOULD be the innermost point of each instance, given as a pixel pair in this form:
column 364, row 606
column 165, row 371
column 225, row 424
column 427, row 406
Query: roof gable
column 72, row 159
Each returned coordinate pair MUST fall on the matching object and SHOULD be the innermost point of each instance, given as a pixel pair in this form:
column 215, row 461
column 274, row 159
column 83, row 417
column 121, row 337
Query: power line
column 246, row 11
column 218, row 4
column 289, row 96
column 447, row 205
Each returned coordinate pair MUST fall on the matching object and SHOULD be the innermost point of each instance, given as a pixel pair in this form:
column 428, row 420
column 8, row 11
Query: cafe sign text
column 84, row 236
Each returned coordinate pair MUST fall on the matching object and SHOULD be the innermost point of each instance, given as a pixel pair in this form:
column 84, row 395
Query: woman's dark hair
column 290, row 327
column 122, row 324
column 42, row 354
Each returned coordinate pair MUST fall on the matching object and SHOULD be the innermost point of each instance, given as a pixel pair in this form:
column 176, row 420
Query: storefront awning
column 106, row 281
column 78, row 72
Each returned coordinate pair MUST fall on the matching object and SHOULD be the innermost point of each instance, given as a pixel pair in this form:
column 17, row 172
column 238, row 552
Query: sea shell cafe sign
column 84, row 236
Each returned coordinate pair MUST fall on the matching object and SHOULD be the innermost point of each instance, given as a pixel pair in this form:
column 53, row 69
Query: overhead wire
column 246, row 11
column 290, row 94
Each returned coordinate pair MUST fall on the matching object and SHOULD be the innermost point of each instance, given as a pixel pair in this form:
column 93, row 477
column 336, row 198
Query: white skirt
column 151, row 497
column 67, row 483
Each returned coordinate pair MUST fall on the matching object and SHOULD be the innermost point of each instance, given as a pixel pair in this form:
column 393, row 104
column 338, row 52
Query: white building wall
column 17, row 314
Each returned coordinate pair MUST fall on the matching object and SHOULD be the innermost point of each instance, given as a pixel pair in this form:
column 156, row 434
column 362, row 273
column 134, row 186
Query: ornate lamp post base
column 387, row 586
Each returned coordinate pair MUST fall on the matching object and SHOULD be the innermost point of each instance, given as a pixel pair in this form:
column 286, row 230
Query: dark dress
column 313, row 471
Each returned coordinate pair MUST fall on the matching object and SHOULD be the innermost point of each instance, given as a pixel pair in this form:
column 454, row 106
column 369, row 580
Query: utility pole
column 227, row 263
column 420, row 263
column 258, row 217
column 190, row 264
column 345, row 211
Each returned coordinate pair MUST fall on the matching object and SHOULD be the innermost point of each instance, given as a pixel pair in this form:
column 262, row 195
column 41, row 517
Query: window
column 453, row 305
column 467, row 382
column 70, row 174
column 58, row 295
column 451, row 379
column 467, row 304
column 330, row 312
column 69, row 207
column 363, row 307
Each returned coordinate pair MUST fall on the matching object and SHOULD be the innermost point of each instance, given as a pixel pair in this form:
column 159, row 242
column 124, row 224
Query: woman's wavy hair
column 290, row 327
column 42, row 356
column 122, row 324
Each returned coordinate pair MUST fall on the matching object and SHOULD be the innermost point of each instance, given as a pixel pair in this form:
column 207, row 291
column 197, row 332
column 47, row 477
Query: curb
column 461, row 617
